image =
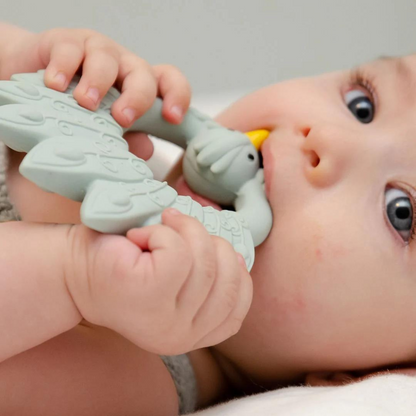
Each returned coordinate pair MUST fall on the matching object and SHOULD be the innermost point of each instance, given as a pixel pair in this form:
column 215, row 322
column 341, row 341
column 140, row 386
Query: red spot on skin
column 318, row 254
column 299, row 303
column 339, row 251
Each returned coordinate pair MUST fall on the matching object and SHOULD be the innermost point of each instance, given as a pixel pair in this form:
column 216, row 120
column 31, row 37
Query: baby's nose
column 329, row 151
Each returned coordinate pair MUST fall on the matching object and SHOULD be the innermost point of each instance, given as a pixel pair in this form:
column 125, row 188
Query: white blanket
column 386, row 395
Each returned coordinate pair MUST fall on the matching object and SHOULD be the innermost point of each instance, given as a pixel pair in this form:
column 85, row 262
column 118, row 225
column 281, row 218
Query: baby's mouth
column 257, row 138
column 266, row 163
column 261, row 164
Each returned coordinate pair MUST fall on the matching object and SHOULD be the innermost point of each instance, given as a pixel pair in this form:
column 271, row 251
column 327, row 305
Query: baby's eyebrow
column 402, row 66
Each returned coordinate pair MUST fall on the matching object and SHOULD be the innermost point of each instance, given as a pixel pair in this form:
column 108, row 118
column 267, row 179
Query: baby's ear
column 342, row 378
column 325, row 379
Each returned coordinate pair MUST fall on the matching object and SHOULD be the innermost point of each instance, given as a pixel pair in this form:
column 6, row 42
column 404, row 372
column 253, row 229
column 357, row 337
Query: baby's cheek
column 286, row 308
column 283, row 306
column 295, row 291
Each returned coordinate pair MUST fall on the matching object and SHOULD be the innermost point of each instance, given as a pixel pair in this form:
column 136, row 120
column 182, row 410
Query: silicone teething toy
column 81, row 155
column 220, row 164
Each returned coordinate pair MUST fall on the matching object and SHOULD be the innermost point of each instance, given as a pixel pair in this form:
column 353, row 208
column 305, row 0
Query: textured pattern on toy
column 220, row 164
column 81, row 155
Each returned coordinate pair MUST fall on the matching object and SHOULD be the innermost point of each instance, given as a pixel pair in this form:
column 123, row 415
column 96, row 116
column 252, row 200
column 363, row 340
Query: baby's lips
column 183, row 189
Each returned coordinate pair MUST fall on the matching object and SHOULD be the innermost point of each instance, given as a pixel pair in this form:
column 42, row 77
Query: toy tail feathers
column 117, row 207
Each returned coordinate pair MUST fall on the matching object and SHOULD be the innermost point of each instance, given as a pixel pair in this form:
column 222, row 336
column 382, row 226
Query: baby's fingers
column 168, row 252
column 234, row 320
column 229, row 300
column 64, row 61
column 138, row 90
column 62, row 52
column 99, row 72
column 175, row 90
column 203, row 274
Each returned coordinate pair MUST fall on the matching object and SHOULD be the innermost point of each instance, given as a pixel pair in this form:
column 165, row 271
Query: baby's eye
column 399, row 212
column 360, row 105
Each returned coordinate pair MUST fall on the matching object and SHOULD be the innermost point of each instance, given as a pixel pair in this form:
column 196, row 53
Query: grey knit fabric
column 7, row 210
column 183, row 376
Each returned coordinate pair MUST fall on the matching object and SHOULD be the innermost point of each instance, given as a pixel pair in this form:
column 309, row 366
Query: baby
column 333, row 286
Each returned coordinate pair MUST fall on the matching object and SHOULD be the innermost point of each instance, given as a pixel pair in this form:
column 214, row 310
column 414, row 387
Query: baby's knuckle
column 231, row 293
column 235, row 325
column 171, row 69
column 88, row 33
column 223, row 246
column 184, row 257
column 208, row 265
column 48, row 38
column 145, row 96
column 107, row 51
column 55, row 33
column 193, row 229
column 131, row 59
column 134, row 63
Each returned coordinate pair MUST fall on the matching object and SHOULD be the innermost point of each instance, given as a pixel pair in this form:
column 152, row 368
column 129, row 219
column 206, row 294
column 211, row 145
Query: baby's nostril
column 305, row 131
column 313, row 158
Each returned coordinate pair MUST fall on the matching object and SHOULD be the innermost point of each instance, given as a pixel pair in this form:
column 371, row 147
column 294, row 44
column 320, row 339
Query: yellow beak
column 257, row 137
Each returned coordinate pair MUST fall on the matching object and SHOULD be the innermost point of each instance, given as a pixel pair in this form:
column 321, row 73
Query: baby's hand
column 104, row 63
column 168, row 288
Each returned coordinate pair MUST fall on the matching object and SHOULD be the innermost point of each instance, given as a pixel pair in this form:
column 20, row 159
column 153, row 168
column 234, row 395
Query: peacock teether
column 82, row 155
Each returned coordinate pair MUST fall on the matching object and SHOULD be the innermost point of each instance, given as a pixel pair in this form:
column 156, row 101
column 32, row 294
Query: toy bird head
column 257, row 137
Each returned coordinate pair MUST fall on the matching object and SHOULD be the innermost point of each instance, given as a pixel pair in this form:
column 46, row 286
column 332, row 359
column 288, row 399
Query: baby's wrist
column 59, row 264
column 74, row 247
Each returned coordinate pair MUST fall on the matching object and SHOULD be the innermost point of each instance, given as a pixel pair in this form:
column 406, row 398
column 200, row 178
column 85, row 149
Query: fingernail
column 241, row 260
column 130, row 114
column 176, row 111
column 174, row 211
column 60, row 79
column 93, row 94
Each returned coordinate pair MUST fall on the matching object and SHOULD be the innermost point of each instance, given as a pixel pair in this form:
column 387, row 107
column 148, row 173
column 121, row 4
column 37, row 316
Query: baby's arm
column 168, row 288
column 35, row 304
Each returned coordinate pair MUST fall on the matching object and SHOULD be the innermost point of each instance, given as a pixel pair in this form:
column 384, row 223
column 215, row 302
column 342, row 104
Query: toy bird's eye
column 250, row 156
column 360, row 105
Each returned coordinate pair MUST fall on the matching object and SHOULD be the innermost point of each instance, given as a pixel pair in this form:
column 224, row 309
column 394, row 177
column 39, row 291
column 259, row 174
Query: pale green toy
column 82, row 155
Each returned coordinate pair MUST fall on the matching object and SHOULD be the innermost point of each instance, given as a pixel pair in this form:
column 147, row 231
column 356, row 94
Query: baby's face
column 335, row 282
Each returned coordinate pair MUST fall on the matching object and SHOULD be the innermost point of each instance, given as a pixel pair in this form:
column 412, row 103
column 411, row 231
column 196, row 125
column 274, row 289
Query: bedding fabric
column 384, row 395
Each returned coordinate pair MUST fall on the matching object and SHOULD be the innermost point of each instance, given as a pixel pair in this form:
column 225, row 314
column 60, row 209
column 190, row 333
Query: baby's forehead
column 403, row 66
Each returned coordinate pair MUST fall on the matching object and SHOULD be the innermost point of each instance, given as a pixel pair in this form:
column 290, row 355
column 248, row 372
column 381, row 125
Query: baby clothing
column 179, row 366
column 7, row 210
column 183, row 376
